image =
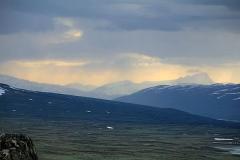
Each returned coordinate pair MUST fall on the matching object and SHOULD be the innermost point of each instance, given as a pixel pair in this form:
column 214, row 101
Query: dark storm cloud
column 126, row 15
column 189, row 33
column 29, row 15
column 173, row 30
column 12, row 22
column 231, row 4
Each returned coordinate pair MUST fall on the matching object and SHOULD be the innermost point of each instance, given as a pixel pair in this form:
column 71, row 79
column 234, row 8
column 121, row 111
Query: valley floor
column 87, row 140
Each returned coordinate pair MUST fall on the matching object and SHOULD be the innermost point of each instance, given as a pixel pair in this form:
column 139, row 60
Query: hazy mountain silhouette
column 117, row 89
column 107, row 91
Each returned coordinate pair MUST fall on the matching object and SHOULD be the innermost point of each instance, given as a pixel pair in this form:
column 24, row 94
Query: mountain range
column 219, row 101
column 118, row 89
column 80, row 87
column 20, row 103
column 35, row 86
column 107, row 91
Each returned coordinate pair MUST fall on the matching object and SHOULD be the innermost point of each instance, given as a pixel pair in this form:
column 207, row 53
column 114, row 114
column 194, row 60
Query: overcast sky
column 102, row 41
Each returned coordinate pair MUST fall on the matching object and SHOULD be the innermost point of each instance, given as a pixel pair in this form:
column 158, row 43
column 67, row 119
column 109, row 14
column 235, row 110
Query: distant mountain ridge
column 81, row 87
column 35, row 86
column 219, row 101
column 118, row 89
column 107, row 91
column 198, row 78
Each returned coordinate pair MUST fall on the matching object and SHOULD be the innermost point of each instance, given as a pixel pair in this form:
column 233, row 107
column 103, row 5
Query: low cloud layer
column 129, row 66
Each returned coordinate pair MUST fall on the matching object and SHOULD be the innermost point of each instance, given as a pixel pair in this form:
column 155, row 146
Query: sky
column 97, row 42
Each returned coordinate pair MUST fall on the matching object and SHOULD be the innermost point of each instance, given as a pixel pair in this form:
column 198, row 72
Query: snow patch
column 234, row 93
column 222, row 90
column 235, row 150
column 109, row 127
column 215, row 93
column 13, row 87
column 162, row 87
column 235, row 88
column 223, row 139
column 221, row 96
column 2, row 91
column 235, row 99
